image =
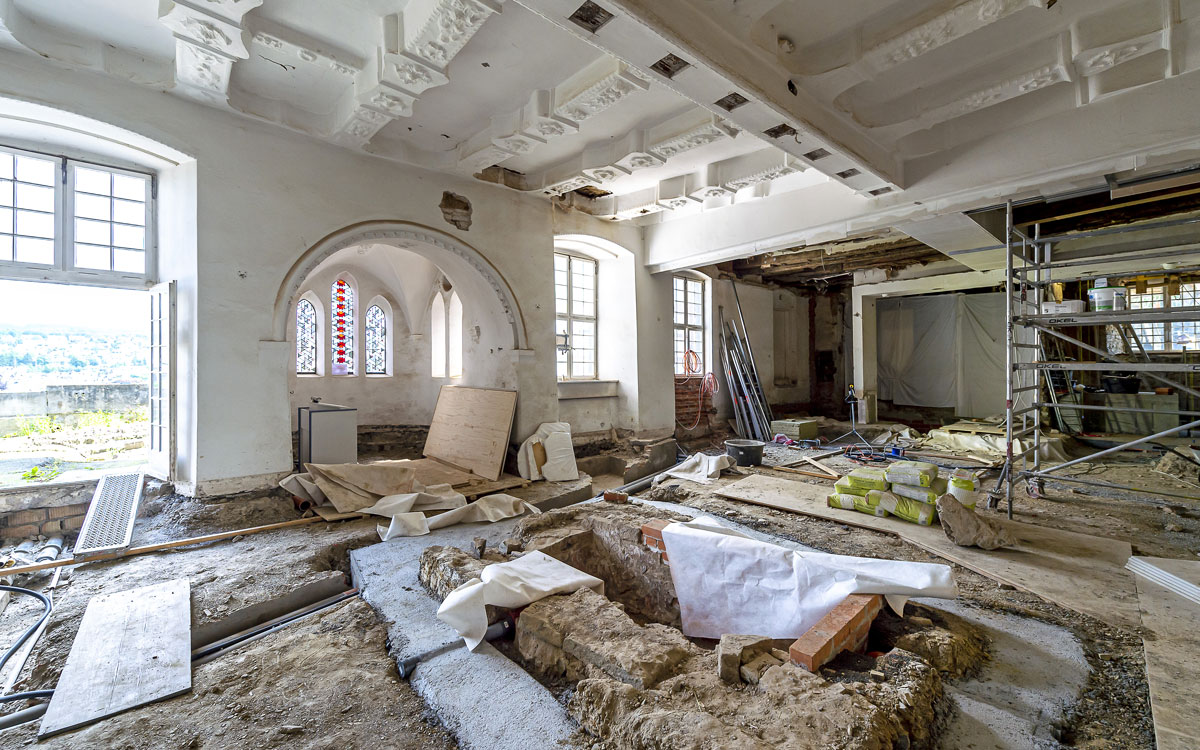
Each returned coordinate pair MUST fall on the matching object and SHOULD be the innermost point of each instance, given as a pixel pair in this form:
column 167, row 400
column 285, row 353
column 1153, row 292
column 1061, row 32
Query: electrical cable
column 708, row 386
column 49, row 605
column 28, row 694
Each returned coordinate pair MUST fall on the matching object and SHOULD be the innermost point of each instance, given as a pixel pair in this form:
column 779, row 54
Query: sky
column 79, row 307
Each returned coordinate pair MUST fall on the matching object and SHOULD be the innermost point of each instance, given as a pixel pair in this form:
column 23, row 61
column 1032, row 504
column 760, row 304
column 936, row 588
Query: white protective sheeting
column 559, row 466
column 523, row 581
column 406, row 513
column 944, row 350
column 728, row 583
column 699, row 467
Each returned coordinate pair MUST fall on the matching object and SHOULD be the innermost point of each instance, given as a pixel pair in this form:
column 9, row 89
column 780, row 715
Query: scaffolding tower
column 1030, row 269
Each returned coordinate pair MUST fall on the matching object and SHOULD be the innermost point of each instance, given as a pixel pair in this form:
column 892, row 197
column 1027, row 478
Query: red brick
column 66, row 511
column 21, row 532
column 52, row 527
column 74, row 523
column 653, row 529
column 23, row 517
column 845, row 627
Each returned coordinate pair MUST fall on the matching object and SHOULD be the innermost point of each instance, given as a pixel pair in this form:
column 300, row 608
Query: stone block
column 735, row 650
column 753, row 671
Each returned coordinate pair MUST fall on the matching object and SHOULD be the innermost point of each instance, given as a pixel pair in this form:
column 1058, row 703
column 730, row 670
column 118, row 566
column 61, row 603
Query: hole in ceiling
column 587, row 191
column 792, row 88
column 817, row 153
column 669, row 66
column 731, row 102
column 486, row 64
column 880, row 191
column 590, row 16
column 848, row 174
column 780, row 130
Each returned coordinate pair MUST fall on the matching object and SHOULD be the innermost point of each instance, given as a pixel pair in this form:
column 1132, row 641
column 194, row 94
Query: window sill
column 571, row 389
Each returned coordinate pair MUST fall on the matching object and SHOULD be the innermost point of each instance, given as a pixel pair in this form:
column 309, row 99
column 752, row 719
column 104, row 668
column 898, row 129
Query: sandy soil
column 326, row 681
column 1114, row 711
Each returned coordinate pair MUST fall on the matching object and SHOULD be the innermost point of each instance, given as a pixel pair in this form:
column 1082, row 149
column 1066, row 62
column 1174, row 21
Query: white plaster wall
column 264, row 197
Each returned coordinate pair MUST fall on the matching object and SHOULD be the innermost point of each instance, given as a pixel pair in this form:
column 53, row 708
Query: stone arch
column 463, row 264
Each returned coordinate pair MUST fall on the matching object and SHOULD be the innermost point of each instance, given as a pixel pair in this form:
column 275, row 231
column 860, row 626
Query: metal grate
column 109, row 521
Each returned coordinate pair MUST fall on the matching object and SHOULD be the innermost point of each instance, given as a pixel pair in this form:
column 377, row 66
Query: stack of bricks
column 843, row 629
column 652, row 536
column 688, row 405
column 28, row 524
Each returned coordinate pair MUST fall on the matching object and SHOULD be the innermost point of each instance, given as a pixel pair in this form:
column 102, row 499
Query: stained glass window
column 342, row 318
column 306, row 338
column 376, row 340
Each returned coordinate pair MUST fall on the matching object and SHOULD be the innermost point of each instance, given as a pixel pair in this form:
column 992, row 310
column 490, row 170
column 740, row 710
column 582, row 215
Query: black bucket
column 745, row 452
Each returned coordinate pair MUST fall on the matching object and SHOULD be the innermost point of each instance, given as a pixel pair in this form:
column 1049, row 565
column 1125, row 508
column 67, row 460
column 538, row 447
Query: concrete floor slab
column 468, row 691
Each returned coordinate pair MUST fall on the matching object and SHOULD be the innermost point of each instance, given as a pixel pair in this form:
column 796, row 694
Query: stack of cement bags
column 906, row 489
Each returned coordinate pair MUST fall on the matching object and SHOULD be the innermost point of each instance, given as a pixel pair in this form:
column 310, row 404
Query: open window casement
column 161, row 444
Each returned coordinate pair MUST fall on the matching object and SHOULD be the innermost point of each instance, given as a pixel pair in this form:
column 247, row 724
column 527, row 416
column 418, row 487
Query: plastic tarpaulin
column 523, row 581
column 728, row 583
column 944, row 351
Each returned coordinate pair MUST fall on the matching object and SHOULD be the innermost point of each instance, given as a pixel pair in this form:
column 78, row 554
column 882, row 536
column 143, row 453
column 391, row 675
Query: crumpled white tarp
column 728, row 583
column 699, row 467
column 991, row 444
column 490, row 508
column 408, row 509
column 555, row 439
column 523, row 581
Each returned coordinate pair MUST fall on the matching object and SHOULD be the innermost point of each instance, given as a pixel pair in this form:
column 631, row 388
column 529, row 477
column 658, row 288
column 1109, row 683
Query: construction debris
column 967, row 529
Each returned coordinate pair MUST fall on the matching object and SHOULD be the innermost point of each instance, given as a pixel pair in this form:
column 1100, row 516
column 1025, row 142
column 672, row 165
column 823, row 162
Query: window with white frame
column 1170, row 335
column 375, row 340
column 689, row 324
column 69, row 218
column 306, row 338
column 575, row 316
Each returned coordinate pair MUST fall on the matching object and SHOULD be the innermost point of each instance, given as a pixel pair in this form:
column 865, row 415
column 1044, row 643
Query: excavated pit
column 630, row 677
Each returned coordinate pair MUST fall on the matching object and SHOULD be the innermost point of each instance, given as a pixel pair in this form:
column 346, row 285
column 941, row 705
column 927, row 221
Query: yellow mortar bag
column 843, row 487
column 914, row 473
column 913, row 511
column 868, row 478
column 921, row 494
column 856, row 502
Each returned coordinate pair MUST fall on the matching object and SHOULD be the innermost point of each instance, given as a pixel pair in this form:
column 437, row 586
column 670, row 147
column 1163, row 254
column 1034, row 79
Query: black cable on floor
column 21, row 641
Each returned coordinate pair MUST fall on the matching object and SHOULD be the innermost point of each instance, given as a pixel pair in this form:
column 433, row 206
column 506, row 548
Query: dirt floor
column 267, row 693
column 1114, row 711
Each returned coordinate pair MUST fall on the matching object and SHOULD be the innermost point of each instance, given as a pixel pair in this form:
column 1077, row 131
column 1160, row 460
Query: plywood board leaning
column 471, row 427
column 132, row 648
column 1172, row 662
column 1077, row 571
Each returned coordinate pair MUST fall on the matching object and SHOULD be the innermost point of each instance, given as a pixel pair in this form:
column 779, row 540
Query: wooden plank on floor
column 1172, row 662
column 505, row 482
column 471, row 428
column 1078, row 571
column 132, row 648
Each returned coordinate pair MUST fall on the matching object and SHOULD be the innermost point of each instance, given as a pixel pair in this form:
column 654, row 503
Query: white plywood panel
column 471, row 427
column 132, row 648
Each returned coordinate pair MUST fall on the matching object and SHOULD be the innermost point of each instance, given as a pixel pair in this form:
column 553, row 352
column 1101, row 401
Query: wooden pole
column 131, row 551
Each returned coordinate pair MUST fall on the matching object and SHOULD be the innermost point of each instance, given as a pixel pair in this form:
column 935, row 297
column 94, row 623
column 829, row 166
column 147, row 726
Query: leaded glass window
column 376, row 340
column 306, row 338
column 342, row 318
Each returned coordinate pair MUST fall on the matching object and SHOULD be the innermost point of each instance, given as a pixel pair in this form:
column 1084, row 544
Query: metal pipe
column 24, row 716
column 1110, row 485
column 1009, row 370
column 1105, row 355
column 1123, row 446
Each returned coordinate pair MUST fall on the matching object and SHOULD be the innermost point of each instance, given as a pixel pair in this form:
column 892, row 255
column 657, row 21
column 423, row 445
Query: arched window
column 375, row 340
column 454, row 337
column 342, row 328
column 306, row 338
column 437, row 336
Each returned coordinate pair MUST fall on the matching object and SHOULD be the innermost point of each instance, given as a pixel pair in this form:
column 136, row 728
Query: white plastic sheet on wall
column 944, row 350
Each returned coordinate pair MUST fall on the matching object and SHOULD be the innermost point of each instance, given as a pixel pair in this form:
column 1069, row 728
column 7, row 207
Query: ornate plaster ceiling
column 656, row 106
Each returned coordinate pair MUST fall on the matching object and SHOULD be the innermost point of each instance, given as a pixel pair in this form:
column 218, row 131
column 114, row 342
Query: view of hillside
column 63, row 335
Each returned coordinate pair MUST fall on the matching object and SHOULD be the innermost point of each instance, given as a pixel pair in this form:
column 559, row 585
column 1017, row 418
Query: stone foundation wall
column 19, row 525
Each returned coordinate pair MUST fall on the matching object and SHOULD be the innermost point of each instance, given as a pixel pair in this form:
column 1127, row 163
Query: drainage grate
column 109, row 521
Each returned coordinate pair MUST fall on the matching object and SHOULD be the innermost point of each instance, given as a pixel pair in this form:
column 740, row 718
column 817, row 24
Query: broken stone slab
column 585, row 633
column 754, row 670
column 967, row 529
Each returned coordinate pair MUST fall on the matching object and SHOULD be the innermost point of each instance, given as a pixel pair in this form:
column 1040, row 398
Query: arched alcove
column 403, row 275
